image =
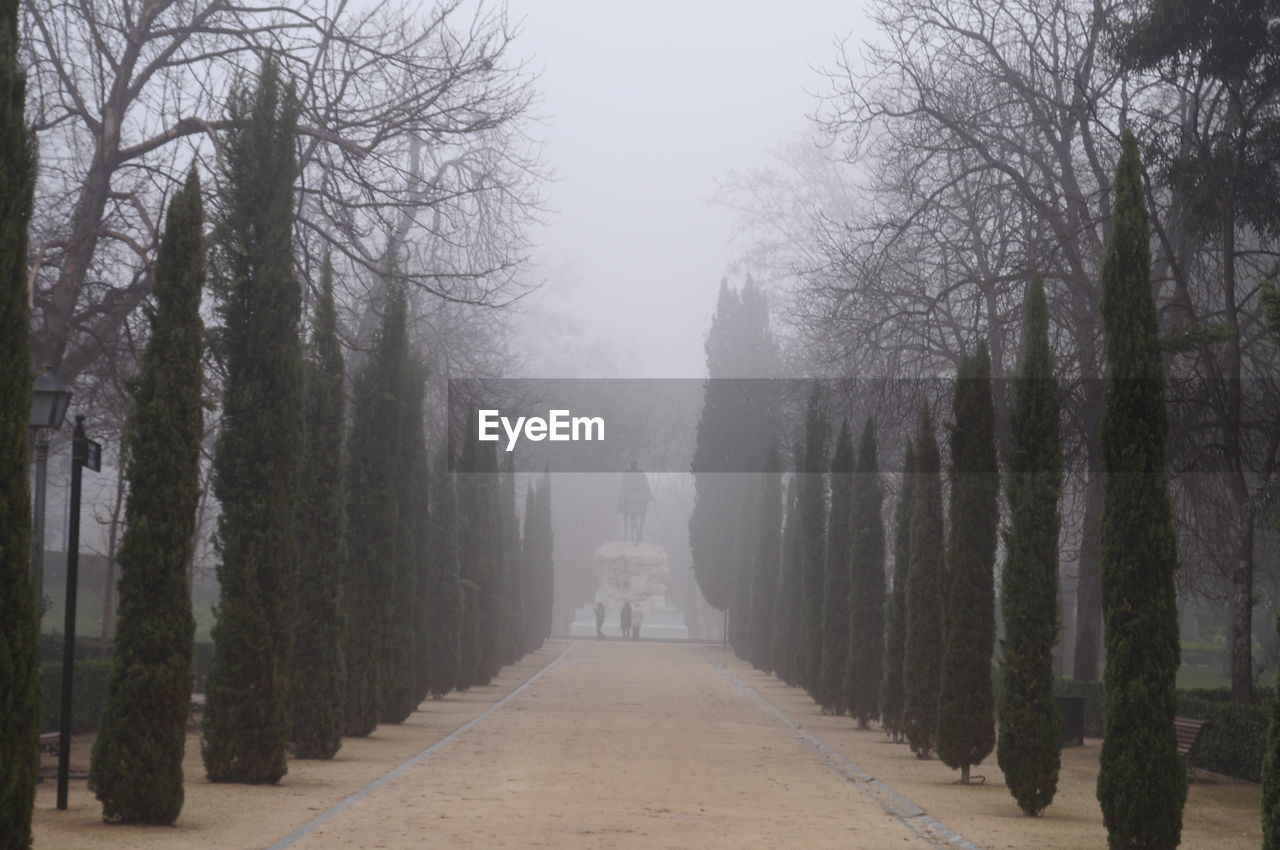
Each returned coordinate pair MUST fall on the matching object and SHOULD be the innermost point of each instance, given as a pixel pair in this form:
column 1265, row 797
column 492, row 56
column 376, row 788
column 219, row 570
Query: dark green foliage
column 373, row 515
column 19, row 683
column 136, row 769
column 544, row 564
column 866, row 586
column 812, row 507
column 319, row 671
column 400, row 687
column 787, row 612
column 922, row 656
column 766, row 558
column 1271, row 764
column 1141, row 781
column 740, row 610
column 465, row 487
column 418, row 516
column 480, row 559
column 835, row 590
column 513, row 586
column 892, row 686
column 89, row 691
column 256, row 462
column 443, row 594
column 966, row 707
column 1030, row 736
column 1236, row 743
column 739, row 417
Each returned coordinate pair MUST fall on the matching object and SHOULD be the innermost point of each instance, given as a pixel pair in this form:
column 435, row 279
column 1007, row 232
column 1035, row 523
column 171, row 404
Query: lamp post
column 84, row 453
column 49, row 404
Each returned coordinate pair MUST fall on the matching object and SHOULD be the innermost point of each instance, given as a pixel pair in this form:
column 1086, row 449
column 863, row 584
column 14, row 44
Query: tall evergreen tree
column 489, row 527
column 136, row 768
column 319, row 671
column 740, row 610
column 418, row 511
column 787, row 612
column 19, row 613
column 966, row 707
column 866, row 585
column 470, row 529
column 513, row 635
column 835, row 590
column 400, row 695
column 1142, row 779
column 545, row 565
column 812, row 532
column 256, row 464
column 893, row 686
column 766, row 562
column 1030, row 728
column 922, row 656
column 739, row 417
column 1271, row 761
column 444, row 594
column 373, row 455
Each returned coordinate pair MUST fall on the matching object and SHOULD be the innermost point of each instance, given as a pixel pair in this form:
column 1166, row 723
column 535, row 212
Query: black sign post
column 84, row 452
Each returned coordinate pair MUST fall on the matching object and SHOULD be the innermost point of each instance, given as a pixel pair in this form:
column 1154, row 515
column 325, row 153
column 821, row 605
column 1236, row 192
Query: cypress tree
column 893, row 686
column 866, row 586
column 489, row 528
column 19, row 636
column 136, row 767
column 835, row 590
column 400, row 693
column 528, row 548
column 256, row 464
column 1030, row 728
column 470, row 530
column 922, row 655
column 319, row 671
column 1271, row 761
column 812, row 543
column 444, row 595
column 373, row 518
column 418, row 510
column 740, row 610
column 966, row 706
column 546, row 558
column 766, row 562
column 786, row 613
column 1142, row 779
column 513, row 635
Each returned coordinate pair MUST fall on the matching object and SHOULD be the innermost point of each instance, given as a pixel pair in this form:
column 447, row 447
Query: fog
column 647, row 105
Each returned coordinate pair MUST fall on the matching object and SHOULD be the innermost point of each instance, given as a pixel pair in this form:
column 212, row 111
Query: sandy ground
column 633, row 745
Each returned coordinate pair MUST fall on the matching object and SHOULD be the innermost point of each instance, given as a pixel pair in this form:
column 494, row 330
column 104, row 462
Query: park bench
column 1189, row 731
column 49, row 743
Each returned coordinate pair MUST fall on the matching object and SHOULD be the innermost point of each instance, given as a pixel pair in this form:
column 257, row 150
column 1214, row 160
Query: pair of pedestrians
column 632, row 620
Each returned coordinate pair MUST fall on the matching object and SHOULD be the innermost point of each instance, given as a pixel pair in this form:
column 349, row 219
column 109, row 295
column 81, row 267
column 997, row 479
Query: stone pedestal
column 635, row 573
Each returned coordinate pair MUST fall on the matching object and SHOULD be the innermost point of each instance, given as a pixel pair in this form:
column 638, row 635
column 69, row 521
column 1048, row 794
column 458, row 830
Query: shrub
column 88, row 695
column 1235, row 744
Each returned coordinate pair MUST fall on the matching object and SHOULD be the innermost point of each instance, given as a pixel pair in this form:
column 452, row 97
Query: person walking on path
column 626, row 619
column 637, row 620
column 599, row 621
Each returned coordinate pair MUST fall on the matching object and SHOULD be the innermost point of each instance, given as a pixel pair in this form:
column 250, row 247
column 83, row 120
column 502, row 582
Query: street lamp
column 49, row 404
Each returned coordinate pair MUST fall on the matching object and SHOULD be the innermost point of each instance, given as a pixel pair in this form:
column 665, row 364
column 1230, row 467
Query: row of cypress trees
column 919, row 658
column 344, row 553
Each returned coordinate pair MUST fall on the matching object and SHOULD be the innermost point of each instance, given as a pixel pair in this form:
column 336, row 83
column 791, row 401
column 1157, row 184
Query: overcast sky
column 648, row 103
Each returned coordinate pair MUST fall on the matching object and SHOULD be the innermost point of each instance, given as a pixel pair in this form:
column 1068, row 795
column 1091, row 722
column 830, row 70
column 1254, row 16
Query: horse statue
column 633, row 502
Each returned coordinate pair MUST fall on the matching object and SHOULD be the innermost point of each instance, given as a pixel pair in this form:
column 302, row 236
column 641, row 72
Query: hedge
column 88, row 695
column 1236, row 742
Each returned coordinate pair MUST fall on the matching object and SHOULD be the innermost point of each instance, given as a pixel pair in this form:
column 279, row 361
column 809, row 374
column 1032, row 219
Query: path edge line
column 402, row 768
column 906, row 812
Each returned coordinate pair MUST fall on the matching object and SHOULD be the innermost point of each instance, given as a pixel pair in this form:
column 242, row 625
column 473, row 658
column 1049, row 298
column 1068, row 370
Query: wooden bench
column 49, row 743
column 1189, row 731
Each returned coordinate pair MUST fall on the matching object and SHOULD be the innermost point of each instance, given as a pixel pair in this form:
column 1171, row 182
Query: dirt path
column 620, row 745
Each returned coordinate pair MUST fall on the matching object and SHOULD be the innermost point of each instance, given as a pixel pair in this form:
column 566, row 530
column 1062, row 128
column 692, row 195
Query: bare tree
column 405, row 114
